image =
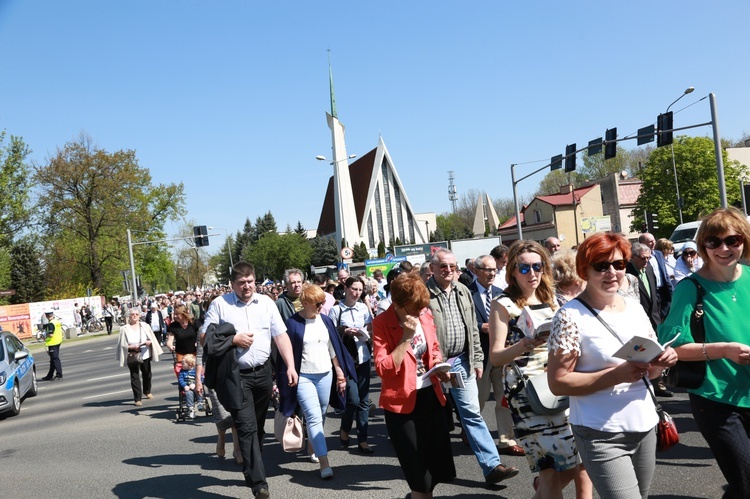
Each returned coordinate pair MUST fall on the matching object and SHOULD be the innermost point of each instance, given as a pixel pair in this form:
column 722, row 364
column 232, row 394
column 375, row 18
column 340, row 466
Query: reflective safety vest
column 57, row 335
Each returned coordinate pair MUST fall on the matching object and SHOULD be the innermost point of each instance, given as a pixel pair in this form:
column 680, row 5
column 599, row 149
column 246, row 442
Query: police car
column 17, row 374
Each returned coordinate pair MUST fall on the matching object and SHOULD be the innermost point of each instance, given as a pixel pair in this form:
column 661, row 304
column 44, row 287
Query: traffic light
column 555, row 163
column 652, row 221
column 570, row 158
column 595, row 146
column 200, row 236
column 664, row 123
column 610, row 143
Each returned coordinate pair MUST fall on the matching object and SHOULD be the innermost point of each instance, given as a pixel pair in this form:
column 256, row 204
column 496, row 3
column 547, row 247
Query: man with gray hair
column 456, row 326
column 288, row 303
column 425, row 272
column 483, row 291
column 552, row 244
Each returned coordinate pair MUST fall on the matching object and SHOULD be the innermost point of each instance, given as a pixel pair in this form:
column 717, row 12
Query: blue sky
column 230, row 97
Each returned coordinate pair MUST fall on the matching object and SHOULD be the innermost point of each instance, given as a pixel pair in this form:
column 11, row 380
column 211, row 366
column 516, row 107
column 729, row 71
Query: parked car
column 682, row 234
column 17, row 373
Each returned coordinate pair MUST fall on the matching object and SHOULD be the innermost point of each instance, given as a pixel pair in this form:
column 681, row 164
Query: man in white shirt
column 257, row 321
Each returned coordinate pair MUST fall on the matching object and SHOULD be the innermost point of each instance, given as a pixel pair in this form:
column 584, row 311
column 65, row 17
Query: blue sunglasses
column 525, row 267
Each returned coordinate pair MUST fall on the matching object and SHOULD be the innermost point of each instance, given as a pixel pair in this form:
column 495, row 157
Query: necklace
column 726, row 287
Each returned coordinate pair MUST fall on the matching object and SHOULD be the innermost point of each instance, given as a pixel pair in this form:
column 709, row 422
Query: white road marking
column 107, row 394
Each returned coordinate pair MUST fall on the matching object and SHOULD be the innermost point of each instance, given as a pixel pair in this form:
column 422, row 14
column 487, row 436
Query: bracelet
column 705, row 354
column 341, row 379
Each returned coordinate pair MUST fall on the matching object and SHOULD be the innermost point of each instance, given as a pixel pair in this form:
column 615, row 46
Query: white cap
column 690, row 245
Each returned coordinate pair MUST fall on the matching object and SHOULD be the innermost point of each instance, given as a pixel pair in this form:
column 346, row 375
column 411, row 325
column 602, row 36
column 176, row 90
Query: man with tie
column 483, row 292
column 648, row 291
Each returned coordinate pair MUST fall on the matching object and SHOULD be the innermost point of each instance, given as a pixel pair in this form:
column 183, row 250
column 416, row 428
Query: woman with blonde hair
column 567, row 283
column 547, row 439
column 319, row 357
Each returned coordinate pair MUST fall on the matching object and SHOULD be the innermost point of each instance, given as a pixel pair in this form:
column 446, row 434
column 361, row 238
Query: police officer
column 52, row 342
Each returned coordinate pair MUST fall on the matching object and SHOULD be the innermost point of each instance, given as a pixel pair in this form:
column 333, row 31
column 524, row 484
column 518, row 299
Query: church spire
column 330, row 80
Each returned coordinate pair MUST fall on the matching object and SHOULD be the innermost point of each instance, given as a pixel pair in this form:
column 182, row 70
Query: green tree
column 26, row 275
column 324, row 251
column 6, row 265
column 695, row 162
column 244, row 239
column 274, row 253
column 381, row 249
column 300, row 229
column 89, row 197
column 452, row 226
column 265, row 224
column 360, row 252
column 15, row 182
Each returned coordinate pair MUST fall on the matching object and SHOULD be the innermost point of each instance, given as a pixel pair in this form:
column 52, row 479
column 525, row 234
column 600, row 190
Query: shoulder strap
column 645, row 381
column 697, row 328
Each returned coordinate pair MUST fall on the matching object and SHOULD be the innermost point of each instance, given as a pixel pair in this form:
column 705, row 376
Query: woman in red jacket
column 405, row 347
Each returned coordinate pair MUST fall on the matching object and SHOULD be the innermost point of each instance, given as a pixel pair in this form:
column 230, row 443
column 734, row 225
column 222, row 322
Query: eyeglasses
column 525, row 267
column 448, row 266
column 604, row 266
column 713, row 242
column 320, row 304
column 486, row 269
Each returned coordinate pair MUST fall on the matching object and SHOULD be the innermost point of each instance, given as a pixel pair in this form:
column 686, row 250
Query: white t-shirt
column 620, row 408
column 317, row 350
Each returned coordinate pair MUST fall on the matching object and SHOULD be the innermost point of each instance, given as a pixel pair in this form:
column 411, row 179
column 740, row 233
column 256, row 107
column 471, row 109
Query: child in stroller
column 186, row 380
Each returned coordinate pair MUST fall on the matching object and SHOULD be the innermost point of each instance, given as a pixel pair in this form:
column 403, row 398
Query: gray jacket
column 468, row 316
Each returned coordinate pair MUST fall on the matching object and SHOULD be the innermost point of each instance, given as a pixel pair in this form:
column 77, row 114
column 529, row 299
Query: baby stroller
column 183, row 411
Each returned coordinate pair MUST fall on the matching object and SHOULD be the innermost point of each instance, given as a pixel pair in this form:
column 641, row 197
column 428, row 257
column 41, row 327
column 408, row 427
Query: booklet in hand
column 535, row 321
column 640, row 349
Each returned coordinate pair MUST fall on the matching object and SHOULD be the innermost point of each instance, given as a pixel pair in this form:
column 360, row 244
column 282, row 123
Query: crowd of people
column 443, row 339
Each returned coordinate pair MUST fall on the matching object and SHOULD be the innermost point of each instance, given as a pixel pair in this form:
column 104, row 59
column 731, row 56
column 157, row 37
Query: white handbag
column 288, row 431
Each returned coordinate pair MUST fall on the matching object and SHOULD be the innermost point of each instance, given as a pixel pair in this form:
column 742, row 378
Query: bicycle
column 92, row 325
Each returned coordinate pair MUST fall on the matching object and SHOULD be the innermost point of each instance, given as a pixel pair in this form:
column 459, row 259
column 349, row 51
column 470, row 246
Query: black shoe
column 46, row 378
column 59, row 376
column 262, row 494
column 661, row 390
column 500, row 473
column 344, row 442
column 366, row 450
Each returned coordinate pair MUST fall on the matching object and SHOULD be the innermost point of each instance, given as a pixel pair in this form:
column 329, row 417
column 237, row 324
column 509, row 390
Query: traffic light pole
column 132, row 261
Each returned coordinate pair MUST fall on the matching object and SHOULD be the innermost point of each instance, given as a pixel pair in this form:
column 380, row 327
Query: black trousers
column 250, row 420
column 108, row 322
column 135, row 379
column 726, row 429
column 54, row 361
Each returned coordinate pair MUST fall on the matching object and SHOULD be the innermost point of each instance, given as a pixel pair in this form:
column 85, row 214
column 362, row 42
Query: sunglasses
column 713, row 242
column 320, row 304
column 525, row 267
column 604, row 266
column 448, row 266
column 690, row 253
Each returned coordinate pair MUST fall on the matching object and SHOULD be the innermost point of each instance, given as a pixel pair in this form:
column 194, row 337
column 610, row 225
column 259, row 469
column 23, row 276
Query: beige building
column 557, row 215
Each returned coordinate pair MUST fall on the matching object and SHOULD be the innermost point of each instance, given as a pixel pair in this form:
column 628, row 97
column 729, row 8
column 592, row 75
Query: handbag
column 666, row 431
column 135, row 358
column 541, row 399
column 690, row 374
column 288, row 431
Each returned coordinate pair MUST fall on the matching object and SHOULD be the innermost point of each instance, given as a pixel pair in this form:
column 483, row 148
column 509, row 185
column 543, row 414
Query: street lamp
column 674, row 166
column 229, row 248
column 323, row 158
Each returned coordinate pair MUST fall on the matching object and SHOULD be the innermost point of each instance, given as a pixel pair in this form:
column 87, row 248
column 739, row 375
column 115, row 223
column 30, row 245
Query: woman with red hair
column 405, row 347
column 611, row 411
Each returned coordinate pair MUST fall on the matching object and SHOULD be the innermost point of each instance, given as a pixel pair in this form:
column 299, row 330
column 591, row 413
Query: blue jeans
column 467, row 404
column 190, row 399
column 358, row 402
column 313, row 392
